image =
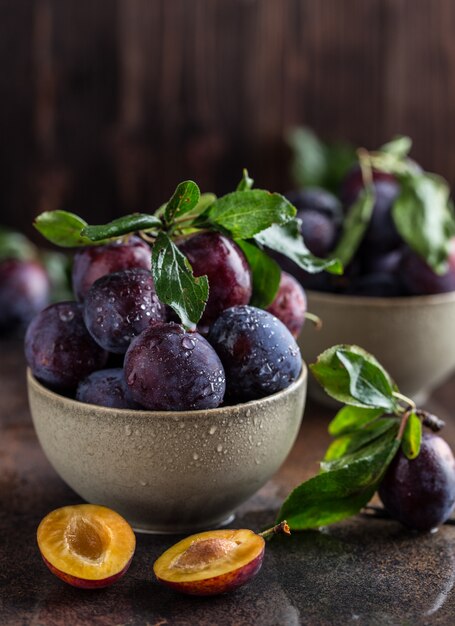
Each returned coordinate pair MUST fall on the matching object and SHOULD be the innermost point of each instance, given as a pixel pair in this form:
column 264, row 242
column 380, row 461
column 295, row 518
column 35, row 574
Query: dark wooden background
column 106, row 104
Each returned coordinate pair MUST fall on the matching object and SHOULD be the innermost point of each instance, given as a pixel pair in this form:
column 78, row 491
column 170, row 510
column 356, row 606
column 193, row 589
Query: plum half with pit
column 221, row 260
column 170, row 369
column 92, row 262
column 420, row 493
column 86, row 545
column 105, row 388
column 24, row 291
column 259, row 354
column 290, row 304
column 119, row 306
column 59, row 349
column 211, row 562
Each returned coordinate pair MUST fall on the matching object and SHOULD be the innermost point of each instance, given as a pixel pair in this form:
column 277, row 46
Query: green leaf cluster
column 255, row 218
column 422, row 212
column 368, row 431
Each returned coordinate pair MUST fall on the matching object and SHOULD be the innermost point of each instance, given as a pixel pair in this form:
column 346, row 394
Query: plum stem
column 431, row 421
column 365, row 167
column 410, row 403
column 315, row 319
column 282, row 527
column 146, row 237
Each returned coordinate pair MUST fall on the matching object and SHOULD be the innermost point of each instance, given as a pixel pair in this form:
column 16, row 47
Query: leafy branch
column 369, row 430
column 255, row 218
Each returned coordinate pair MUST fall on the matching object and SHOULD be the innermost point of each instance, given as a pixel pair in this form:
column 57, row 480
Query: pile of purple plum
column 383, row 264
column 117, row 345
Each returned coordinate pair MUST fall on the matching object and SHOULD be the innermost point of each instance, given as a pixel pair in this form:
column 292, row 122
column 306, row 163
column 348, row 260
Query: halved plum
column 86, row 545
column 212, row 562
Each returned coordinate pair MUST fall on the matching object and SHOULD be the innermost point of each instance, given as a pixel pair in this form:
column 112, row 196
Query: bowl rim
column 383, row 301
column 216, row 412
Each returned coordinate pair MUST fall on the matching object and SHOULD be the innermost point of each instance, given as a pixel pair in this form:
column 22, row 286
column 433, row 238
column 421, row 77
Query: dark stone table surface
column 363, row 571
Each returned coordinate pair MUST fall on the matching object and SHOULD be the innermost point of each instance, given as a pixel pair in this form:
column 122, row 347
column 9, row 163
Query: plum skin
column 289, row 304
column 217, row 585
column 419, row 279
column 420, row 493
column 229, row 275
column 24, row 291
column 105, row 388
column 59, row 349
column 92, row 262
column 169, row 369
column 119, row 306
column 83, row 583
column 259, row 354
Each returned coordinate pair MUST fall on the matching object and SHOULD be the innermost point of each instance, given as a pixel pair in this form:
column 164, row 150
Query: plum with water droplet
column 221, row 260
column 259, row 354
column 119, row 306
column 59, row 349
column 105, row 388
column 420, row 493
column 170, row 369
column 92, row 262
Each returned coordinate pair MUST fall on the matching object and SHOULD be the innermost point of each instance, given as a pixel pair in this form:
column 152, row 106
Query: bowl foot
column 183, row 530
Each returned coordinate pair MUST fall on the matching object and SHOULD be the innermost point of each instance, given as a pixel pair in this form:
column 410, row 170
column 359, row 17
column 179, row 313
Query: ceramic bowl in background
column 168, row 471
column 413, row 337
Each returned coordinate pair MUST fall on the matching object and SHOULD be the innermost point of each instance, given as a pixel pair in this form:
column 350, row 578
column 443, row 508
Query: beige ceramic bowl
column 413, row 337
column 166, row 471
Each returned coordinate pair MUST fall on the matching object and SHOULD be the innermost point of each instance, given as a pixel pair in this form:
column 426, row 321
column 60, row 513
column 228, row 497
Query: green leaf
column 399, row 146
column 412, row 437
column 334, row 495
column 246, row 182
column 121, row 226
column 354, row 226
column 347, row 448
column 58, row 267
column 315, row 163
column 62, row 228
column 351, row 418
column 14, row 245
column 175, row 284
column 266, row 274
column 309, row 163
column 353, row 376
column 246, row 213
column 185, row 198
column 423, row 218
column 287, row 240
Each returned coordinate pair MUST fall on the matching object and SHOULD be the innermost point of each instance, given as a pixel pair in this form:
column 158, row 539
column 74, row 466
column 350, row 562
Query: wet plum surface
column 259, row 354
column 119, row 306
column 59, row 349
column 105, row 388
column 92, row 262
column 24, row 291
column 169, row 369
column 223, row 262
column 289, row 304
column 420, row 493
